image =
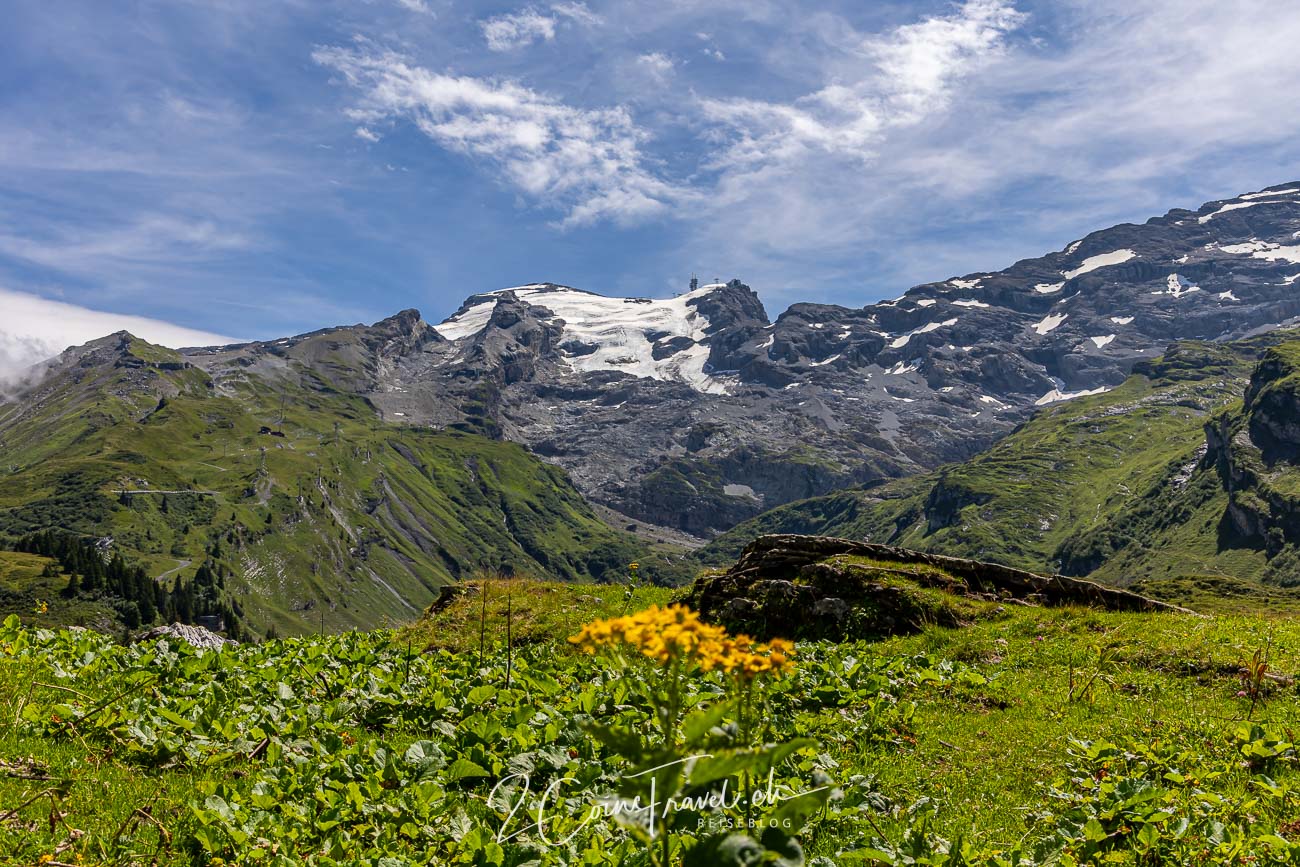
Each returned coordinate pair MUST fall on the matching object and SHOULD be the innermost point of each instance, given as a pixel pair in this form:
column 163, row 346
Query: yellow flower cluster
column 676, row 632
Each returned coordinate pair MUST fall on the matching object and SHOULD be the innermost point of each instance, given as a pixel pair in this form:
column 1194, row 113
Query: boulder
column 196, row 636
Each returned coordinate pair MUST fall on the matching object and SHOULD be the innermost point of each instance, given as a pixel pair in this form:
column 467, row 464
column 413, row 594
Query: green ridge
column 1115, row 485
column 323, row 514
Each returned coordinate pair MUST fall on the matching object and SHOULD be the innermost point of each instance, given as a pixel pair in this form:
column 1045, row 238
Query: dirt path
column 184, row 564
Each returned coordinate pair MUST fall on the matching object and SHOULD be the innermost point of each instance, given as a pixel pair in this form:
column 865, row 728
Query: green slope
column 1113, row 485
column 322, row 515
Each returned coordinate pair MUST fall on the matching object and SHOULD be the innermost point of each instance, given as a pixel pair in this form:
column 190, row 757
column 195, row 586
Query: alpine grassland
column 524, row 722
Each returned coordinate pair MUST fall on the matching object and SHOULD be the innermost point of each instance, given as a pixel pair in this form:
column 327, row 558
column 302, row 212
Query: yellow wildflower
column 675, row 632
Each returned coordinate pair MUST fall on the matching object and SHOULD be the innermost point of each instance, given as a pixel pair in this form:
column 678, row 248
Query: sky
column 203, row 171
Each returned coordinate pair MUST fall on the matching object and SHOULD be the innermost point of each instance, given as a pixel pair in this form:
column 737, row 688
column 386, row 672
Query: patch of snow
column 1102, row 342
column 1069, row 251
column 1276, row 253
column 1056, row 395
column 1177, row 286
column 1101, row 260
column 1270, row 193
column 900, row 399
column 1264, row 250
column 1227, row 296
column 1292, row 278
column 616, row 326
column 947, row 388
column 901, row 368
column 1254, row 245
column 826, row 361
column 1121, row 320
column 819, row 325
column 964, row 284
column 771, row 338
column 1252, row 200
column 926, row 302
column 969, row 302
column 1235, row 206
column 1181, row 260
column 1048, row 288
column 984, row 398
column 1050, row 322
column 900, row 342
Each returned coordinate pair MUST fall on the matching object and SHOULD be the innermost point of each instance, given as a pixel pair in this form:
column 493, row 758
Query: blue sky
column 250, row 168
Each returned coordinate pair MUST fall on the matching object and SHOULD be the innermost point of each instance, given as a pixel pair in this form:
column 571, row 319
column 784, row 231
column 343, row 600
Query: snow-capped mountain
column 642, row 337
column 696, row 412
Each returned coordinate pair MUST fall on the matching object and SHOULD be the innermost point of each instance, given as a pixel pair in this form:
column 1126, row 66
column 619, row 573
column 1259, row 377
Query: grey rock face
column 697, row 412
column 1257, row 454
column 196, row 636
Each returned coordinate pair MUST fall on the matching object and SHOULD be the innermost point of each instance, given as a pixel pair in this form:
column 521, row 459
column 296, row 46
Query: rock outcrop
column 1256, row 451
column 817, row 586
column 195, row 636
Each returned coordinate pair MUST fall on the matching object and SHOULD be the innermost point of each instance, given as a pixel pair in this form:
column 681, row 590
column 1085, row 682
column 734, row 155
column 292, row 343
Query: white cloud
column 586, row 161
column 910, row 72
column 367, row 134
column 516, row 30
column 659, row 65
column 416, row 6
column 529, row 25
column 36, row 329
column 919, row 62
column 154, row 238
column 577, row 12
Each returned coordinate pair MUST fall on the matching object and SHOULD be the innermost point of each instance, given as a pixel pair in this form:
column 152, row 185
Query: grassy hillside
column 323, row 516
column 1031, row 736
column 1112, row 485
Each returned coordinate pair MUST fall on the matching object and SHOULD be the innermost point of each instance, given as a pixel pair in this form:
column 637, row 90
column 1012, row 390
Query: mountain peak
column 682, row 339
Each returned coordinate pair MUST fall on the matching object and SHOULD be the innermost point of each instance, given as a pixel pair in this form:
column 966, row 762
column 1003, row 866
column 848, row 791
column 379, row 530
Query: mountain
column 275, row 473
column 1188, row 471
column 698, row 412
column 339, row 478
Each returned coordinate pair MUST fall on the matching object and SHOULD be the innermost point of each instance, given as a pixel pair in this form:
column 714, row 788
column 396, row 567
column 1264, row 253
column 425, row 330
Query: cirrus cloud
column 529, row 25
column 586, row 161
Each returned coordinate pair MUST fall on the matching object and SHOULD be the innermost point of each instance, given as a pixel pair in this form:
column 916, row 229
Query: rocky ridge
column 817, row 586
column 697, row 412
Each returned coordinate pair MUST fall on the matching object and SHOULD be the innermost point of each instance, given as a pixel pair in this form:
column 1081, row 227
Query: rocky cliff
column 1256, row 451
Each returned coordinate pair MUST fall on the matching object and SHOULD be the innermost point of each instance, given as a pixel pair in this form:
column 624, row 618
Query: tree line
column 138, row 598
